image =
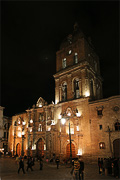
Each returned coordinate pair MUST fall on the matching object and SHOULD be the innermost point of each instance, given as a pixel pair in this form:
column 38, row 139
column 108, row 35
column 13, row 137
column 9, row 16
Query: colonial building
column 80, row 122
column 4, row 131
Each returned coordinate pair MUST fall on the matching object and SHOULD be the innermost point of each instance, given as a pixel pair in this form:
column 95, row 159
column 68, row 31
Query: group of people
column 109, row 166
column 77, row 169
column 30, row 163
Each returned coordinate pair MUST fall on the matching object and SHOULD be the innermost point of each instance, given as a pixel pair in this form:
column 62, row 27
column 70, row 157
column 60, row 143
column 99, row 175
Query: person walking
column 21, row 166
column 41, row 164
column 76, row 169
column 29, row 163
column 57, row 162
column 81, row 169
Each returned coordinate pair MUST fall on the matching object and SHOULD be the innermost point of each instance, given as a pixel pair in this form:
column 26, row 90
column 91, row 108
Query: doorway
column 68, row 150
column 116, row 148
column 40, row 148
column 18, row 149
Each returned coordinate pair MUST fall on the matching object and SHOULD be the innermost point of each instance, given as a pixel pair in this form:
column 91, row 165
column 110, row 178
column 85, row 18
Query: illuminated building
column 80, row 119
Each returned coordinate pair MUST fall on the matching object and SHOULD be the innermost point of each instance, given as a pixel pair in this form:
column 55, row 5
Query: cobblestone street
column 9, row 171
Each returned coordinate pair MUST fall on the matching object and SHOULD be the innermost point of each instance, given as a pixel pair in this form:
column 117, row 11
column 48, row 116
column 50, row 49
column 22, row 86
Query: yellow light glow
column 87, row 93
column 59, row 117
column 78, row 114
column 23, row 133
column 23, row 122
column 31, row 121
column 69, row 114
column 77, row 128
column 44, row 147
column 19, row 134
column 34, row 147
column 63, row 121
column 79, row 152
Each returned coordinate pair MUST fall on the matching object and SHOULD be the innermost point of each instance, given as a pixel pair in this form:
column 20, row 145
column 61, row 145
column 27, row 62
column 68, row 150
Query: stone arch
column 76, row 87
column 116, row 148
column 64, row 90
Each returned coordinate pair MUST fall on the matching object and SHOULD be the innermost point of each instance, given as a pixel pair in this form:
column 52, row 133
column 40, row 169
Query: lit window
column 102, row 145
column 64, row 63
column 100, row 126
column 70, row 51
column 72, row 130
column 48, row 128
column 76, row 58
column 77, row 128
column 40, row 128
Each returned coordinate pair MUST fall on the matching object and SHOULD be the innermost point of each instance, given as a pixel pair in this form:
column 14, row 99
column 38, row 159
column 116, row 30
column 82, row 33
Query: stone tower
column 77, row 69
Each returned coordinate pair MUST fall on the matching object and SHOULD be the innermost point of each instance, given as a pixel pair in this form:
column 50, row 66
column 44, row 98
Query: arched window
column 64, row 91
column 76, row 88
column 64, row 63
column 102, row 145
column 117, row 126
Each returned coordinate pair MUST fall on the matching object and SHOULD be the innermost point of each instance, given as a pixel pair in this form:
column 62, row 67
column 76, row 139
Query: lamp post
column 109, row 131
column 67, row 116
column 23, row 137
column 14, row 138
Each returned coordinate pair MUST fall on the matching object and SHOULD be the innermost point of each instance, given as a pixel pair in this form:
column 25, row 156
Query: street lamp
column 67, row 116
column 15, row 125
column 23, row 143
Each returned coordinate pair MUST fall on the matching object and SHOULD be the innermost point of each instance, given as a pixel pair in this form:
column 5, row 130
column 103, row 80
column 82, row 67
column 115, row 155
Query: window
column 76, row 89
column 64, row 63
column 64, row 91
column 70, row 51
column 77, row 128
column 4, row 134
column 102, row 145
column 76, row 58
column 40, row 128
column 117, row 126
column 100, row 126
column 99, row 112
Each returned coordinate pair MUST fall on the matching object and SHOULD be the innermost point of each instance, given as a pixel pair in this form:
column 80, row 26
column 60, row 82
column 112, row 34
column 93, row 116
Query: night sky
column 31, row 33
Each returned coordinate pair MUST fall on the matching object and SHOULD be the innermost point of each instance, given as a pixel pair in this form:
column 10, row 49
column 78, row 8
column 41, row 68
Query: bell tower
column 77, row 69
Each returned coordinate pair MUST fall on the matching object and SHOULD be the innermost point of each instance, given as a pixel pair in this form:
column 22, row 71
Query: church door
column 116, row 148
column 18, row 149
column 68, row 150
column 40, row 148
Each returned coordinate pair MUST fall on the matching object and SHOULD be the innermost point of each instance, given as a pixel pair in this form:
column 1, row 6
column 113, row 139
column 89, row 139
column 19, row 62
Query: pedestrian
column 76, row 169
column 41, row 164
column 32, row 161
column 81, row 169
column 21, row 166
column 29, row 163
column 99, row 165
column 57, row 162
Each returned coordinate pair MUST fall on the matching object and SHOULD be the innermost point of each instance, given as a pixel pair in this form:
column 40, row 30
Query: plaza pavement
column 8, row 171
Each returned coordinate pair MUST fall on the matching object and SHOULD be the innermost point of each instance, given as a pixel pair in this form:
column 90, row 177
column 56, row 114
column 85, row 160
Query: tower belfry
column 77, row 69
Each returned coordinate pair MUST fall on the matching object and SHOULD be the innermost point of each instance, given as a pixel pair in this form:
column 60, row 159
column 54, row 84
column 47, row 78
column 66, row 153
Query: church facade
column 80, row 122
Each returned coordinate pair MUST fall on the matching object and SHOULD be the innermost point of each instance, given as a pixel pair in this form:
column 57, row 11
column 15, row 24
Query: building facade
column 4, row 131
column 80, row 122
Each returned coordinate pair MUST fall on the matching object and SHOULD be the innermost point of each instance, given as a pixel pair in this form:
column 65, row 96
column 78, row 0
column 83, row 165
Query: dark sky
column 31, row 33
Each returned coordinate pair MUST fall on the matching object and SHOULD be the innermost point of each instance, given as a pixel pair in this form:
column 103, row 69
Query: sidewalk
column 50, row 172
